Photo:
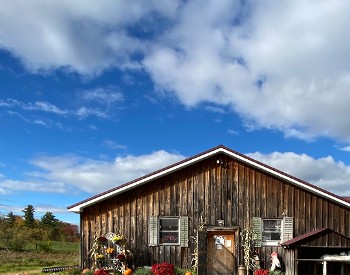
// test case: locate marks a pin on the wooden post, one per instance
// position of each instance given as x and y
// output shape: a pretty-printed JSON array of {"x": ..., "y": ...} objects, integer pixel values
[{"x": 324, "y": 268}]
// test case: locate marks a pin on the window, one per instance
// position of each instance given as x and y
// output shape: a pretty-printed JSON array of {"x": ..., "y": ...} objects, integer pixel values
[
  {"x": 168, "y": 231},
  {"x": 271, "y": 232}
]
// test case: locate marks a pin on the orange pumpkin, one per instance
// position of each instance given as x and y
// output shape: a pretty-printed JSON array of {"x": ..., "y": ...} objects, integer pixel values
[
  {"x": 188, "y": 273},
  {"x": 128, "y": 271}
]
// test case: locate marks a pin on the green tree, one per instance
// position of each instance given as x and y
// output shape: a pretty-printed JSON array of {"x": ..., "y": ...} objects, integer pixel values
[
  {"x": 50, "y": 224},
  {"x": 11, "y": 219},
  {"x": 49, "y": 220},
  {"x": 29, "y": 220}
]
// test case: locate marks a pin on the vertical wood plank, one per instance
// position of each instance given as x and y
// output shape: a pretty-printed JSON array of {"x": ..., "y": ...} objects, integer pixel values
[
  {"x": 241, "y": 196},
  {"x": 207, "y": 195}
]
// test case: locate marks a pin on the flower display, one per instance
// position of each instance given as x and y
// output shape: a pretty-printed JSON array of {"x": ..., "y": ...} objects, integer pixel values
[{"x": 110, "y": 250}]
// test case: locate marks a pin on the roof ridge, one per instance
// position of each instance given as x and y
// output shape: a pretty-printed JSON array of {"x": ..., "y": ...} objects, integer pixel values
[{"x": 205, "y": 154}]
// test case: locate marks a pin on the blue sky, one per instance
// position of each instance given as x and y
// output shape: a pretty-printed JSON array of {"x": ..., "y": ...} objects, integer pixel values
[{"x": 92, "y": 96}]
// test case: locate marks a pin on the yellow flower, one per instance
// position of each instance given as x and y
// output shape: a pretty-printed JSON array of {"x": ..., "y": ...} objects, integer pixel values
[
  {"x": 100, "y": 256},
  {"x": 117, "y": 238},
  {"x": 110, "y": 250}
]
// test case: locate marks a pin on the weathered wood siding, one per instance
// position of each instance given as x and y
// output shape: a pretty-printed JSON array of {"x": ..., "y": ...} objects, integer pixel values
[{"x": 207, "y": 192}]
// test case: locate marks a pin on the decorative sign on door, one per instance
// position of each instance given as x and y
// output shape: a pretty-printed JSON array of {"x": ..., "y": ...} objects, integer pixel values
[{"x": 219, "y": 241}]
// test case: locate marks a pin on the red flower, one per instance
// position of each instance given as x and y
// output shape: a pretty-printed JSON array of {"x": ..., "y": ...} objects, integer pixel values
[
  {"x": 261, "y": 272},
  {"x": 101, "y": 272},
  {"x": 102, "y": 239},
  {"x": 163, "y": 269}
]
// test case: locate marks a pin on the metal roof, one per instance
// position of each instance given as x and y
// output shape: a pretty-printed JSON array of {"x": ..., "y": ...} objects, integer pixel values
[
  {"x": 309, "y": 236},
  {"x": 221, "y": 149}
]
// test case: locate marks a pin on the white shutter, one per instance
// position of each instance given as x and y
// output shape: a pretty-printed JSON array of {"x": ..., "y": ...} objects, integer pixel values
[
  {"x": 257, "y": 234},
  {"x": 153, "y": 230},
  {"x": 287, "y": 228},
  {"x": 184, "y": 231}
]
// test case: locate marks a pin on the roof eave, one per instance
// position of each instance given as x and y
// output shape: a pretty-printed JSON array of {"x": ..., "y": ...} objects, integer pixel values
[{"x": 78, "y": 208}]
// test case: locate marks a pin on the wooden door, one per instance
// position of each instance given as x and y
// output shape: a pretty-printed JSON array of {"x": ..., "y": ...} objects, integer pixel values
[{"x": 221, "y": 253}]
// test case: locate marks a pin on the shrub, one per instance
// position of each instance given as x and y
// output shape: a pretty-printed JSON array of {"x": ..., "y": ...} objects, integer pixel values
[
  {"x": 17, "y": 244},
  {"x": 163, "y": 269},
  {"x": 45, "y": 246},
  {"x": 143, "y": 271},
  {"x": 73, "y": 271}
]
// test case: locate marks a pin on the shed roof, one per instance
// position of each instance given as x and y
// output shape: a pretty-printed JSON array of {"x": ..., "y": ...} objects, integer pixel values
[
  {"x": 221, "y": 149},
  {"x": 310, "y": 236}
]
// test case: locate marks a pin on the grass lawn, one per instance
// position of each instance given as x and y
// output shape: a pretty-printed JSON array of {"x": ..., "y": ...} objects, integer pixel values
[{"x": 61, "y": 254}]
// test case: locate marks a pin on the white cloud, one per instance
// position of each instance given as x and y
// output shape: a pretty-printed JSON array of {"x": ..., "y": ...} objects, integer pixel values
[
  {"x": 324, "y": 172},
  {"x": 94, "y": 176},
  {"x": 103, "y": 95},
  {"x": 8, "y": 186},
  {"x": 66, "y": 174},
  {"x": 113, "y": 145},
  {"x": 215, "y": 109},
  {"x": 281, "y": 65},
  {"x": 86, "y": 38},
  {"x": 84, "y": 112},
  {"x": 81, "y": 112},
  {"x": 293, "y": 49},
  {"x": 45, "y": 107},
  {"x": 346, "y": 149},
  {"x": 233, "y": 132}
]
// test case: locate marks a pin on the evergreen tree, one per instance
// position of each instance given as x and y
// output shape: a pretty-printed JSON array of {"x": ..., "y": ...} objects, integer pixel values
[
  {"x": 49, "y": 220},
  {"x": 16, "y": 230},
  {"x": 29, "y": 220},
  {"x": 50, "y": 224},
  {"x": 11, "y": 218}
]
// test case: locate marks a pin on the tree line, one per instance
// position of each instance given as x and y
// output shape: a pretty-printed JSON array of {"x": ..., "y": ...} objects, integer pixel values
[{"x": 16, "y": 230}]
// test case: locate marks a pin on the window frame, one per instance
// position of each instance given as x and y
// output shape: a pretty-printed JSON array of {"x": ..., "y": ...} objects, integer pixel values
[
  {"x": 160, "y": 230},
  {"x": 154, "y": 231},
  {"x": 287, "y": 227},
  {"x": 271, "y": 242}
]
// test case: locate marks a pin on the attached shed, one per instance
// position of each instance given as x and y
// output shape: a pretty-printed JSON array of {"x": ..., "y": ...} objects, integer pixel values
[
  {"x": 213, "y": 198},
  {"x": 321, "y": 251}
]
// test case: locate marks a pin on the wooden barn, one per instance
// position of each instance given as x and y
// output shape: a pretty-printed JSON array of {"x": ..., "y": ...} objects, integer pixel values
[{"x": 201, "y": 211}]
